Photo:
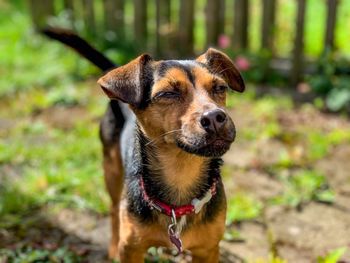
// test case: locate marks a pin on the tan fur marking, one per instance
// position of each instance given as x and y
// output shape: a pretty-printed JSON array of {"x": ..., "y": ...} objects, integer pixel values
[
  {"x": 181, "y": 170},
  {"x": 113, "y": 175},
  {"x": 207, "y": 82},
  {"x": 172, "y": 77}
]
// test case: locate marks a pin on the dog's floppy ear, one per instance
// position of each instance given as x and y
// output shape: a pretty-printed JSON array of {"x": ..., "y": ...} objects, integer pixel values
[
  {"x": 219, "y": 63},
  {"x": 129, "y": 83}
]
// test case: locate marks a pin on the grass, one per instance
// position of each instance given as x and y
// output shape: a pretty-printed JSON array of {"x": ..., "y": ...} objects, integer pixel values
[
  {"x": 242, "y": 206},
  {"x": 333, "y": 256},
  {"x": 38, "y": 255},
  {"x": 302, "y": 187},
  {"x": 57, "y": 166}
]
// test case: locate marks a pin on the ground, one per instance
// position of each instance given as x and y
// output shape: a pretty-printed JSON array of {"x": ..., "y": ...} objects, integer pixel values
[{"x": 286, "y": 177}]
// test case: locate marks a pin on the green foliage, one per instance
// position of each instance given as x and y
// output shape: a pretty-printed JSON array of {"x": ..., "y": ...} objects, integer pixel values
[
  {"x": 318, "y": 146},
  {"x": 331, "y": 84},
  {"x": 265, "y": 111},
  {"x": 28, "y": 60},
  {"x": 333, "y": 256},
  {"x": 319, "y": 143},
  {"x": 338, "y": 136},
  {"x": 339, "y": 97},
  {"x": 234, "y": 99},
  {"x": 232, "y": 235},
  {"x": 304, "y": 186},
  {"x": 260, "y": 71},
  {"x": 242, "y": 206},
  {"x": 13, "y": 204},
  {"x": 31, "y": 255}
]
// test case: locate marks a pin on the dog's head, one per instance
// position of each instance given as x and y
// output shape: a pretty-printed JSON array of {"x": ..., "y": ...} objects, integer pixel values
[{"x": 180, "y": 102}]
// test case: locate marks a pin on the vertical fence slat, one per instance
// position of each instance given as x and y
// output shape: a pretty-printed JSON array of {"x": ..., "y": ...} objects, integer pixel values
[
  {"x": 222, "y": 16},
  {"x": 40, "y": 11},
  {"x": 68, "y": 4},
  {"x": 240, "y": 24},
  {"x": 268, "y": 23},
  {"x": 214, "y": 21},
  {"x": 89, "y": 16},
  {"x": 69, "y": 7},
  {"x": 186, "y": 25},
  {"x": 114, "y": 17},
  {"x": 331, "y": 20},
  {"x": 298, "y": 52},
  {"x": 140, "y": 22},
  {"x": 163, "y": 26}
]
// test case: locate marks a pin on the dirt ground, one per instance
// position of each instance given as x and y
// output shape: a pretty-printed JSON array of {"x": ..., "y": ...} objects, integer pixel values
[{"x": 296, "y": 234}]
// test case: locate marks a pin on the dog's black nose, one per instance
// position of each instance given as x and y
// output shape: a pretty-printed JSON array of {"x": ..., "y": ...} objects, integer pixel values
[{"x": 213, "y": 121}]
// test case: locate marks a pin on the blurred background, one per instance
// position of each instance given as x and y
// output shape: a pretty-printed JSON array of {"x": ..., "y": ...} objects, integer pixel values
[{"x": 287, "y": 176}]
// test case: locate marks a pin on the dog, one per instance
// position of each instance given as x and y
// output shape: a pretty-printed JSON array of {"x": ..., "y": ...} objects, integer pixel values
[{"x": 163, "y": 135}]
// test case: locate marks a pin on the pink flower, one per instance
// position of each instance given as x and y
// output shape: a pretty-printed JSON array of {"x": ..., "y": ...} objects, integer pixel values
[
  {"x": 242, "y": 63},
  {"x": 224, "y": 41},
  {"x": 303, "y": 87}
]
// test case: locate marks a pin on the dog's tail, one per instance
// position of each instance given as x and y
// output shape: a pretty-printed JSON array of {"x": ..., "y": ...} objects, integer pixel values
[
  {"x": 72, "y": 40},
  {"x": 114, "y": 119}
]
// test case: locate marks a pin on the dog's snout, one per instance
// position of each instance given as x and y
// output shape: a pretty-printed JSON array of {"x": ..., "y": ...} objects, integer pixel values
[{"x": 213, "y": 121}]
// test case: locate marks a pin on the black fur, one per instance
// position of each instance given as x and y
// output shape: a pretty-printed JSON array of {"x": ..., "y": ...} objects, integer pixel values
[
  {"x": 111, "y": 124},
  {"x": 147, "y": 80}
]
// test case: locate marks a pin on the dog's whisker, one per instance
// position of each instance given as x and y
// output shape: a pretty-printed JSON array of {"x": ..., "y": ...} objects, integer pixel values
[{"x": 162, "y": 135}]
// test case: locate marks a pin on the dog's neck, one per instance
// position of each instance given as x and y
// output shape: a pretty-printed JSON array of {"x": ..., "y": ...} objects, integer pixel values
[
  {"x": 182, "y": 173},
  {"x": 173, "y": 175}
]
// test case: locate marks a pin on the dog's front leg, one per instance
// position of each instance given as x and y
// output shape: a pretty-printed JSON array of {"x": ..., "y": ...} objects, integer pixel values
[
  {"x": 132, "y": 243},
  {"x": 131, "y": 253},
  {"x": 113, "y": 174}
]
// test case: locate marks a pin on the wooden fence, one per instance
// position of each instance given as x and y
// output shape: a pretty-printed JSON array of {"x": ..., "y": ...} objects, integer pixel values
[{"x": 167, "y": 27}]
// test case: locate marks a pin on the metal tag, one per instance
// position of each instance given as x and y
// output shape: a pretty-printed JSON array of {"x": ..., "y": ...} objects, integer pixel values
[{"x": 175, "y": 238}]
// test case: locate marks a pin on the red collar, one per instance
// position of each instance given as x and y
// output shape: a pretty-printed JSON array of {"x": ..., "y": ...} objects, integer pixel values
[{"x": 167, "y": 209}]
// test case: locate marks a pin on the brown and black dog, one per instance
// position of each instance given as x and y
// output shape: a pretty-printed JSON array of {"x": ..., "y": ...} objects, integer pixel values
[{"x": 163, "y": 134}]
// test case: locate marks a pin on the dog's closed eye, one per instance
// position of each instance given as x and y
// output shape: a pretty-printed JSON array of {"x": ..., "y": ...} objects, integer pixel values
[
  {"x": 167, "y": 95},
  {"x": 220, "y": 89}
]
